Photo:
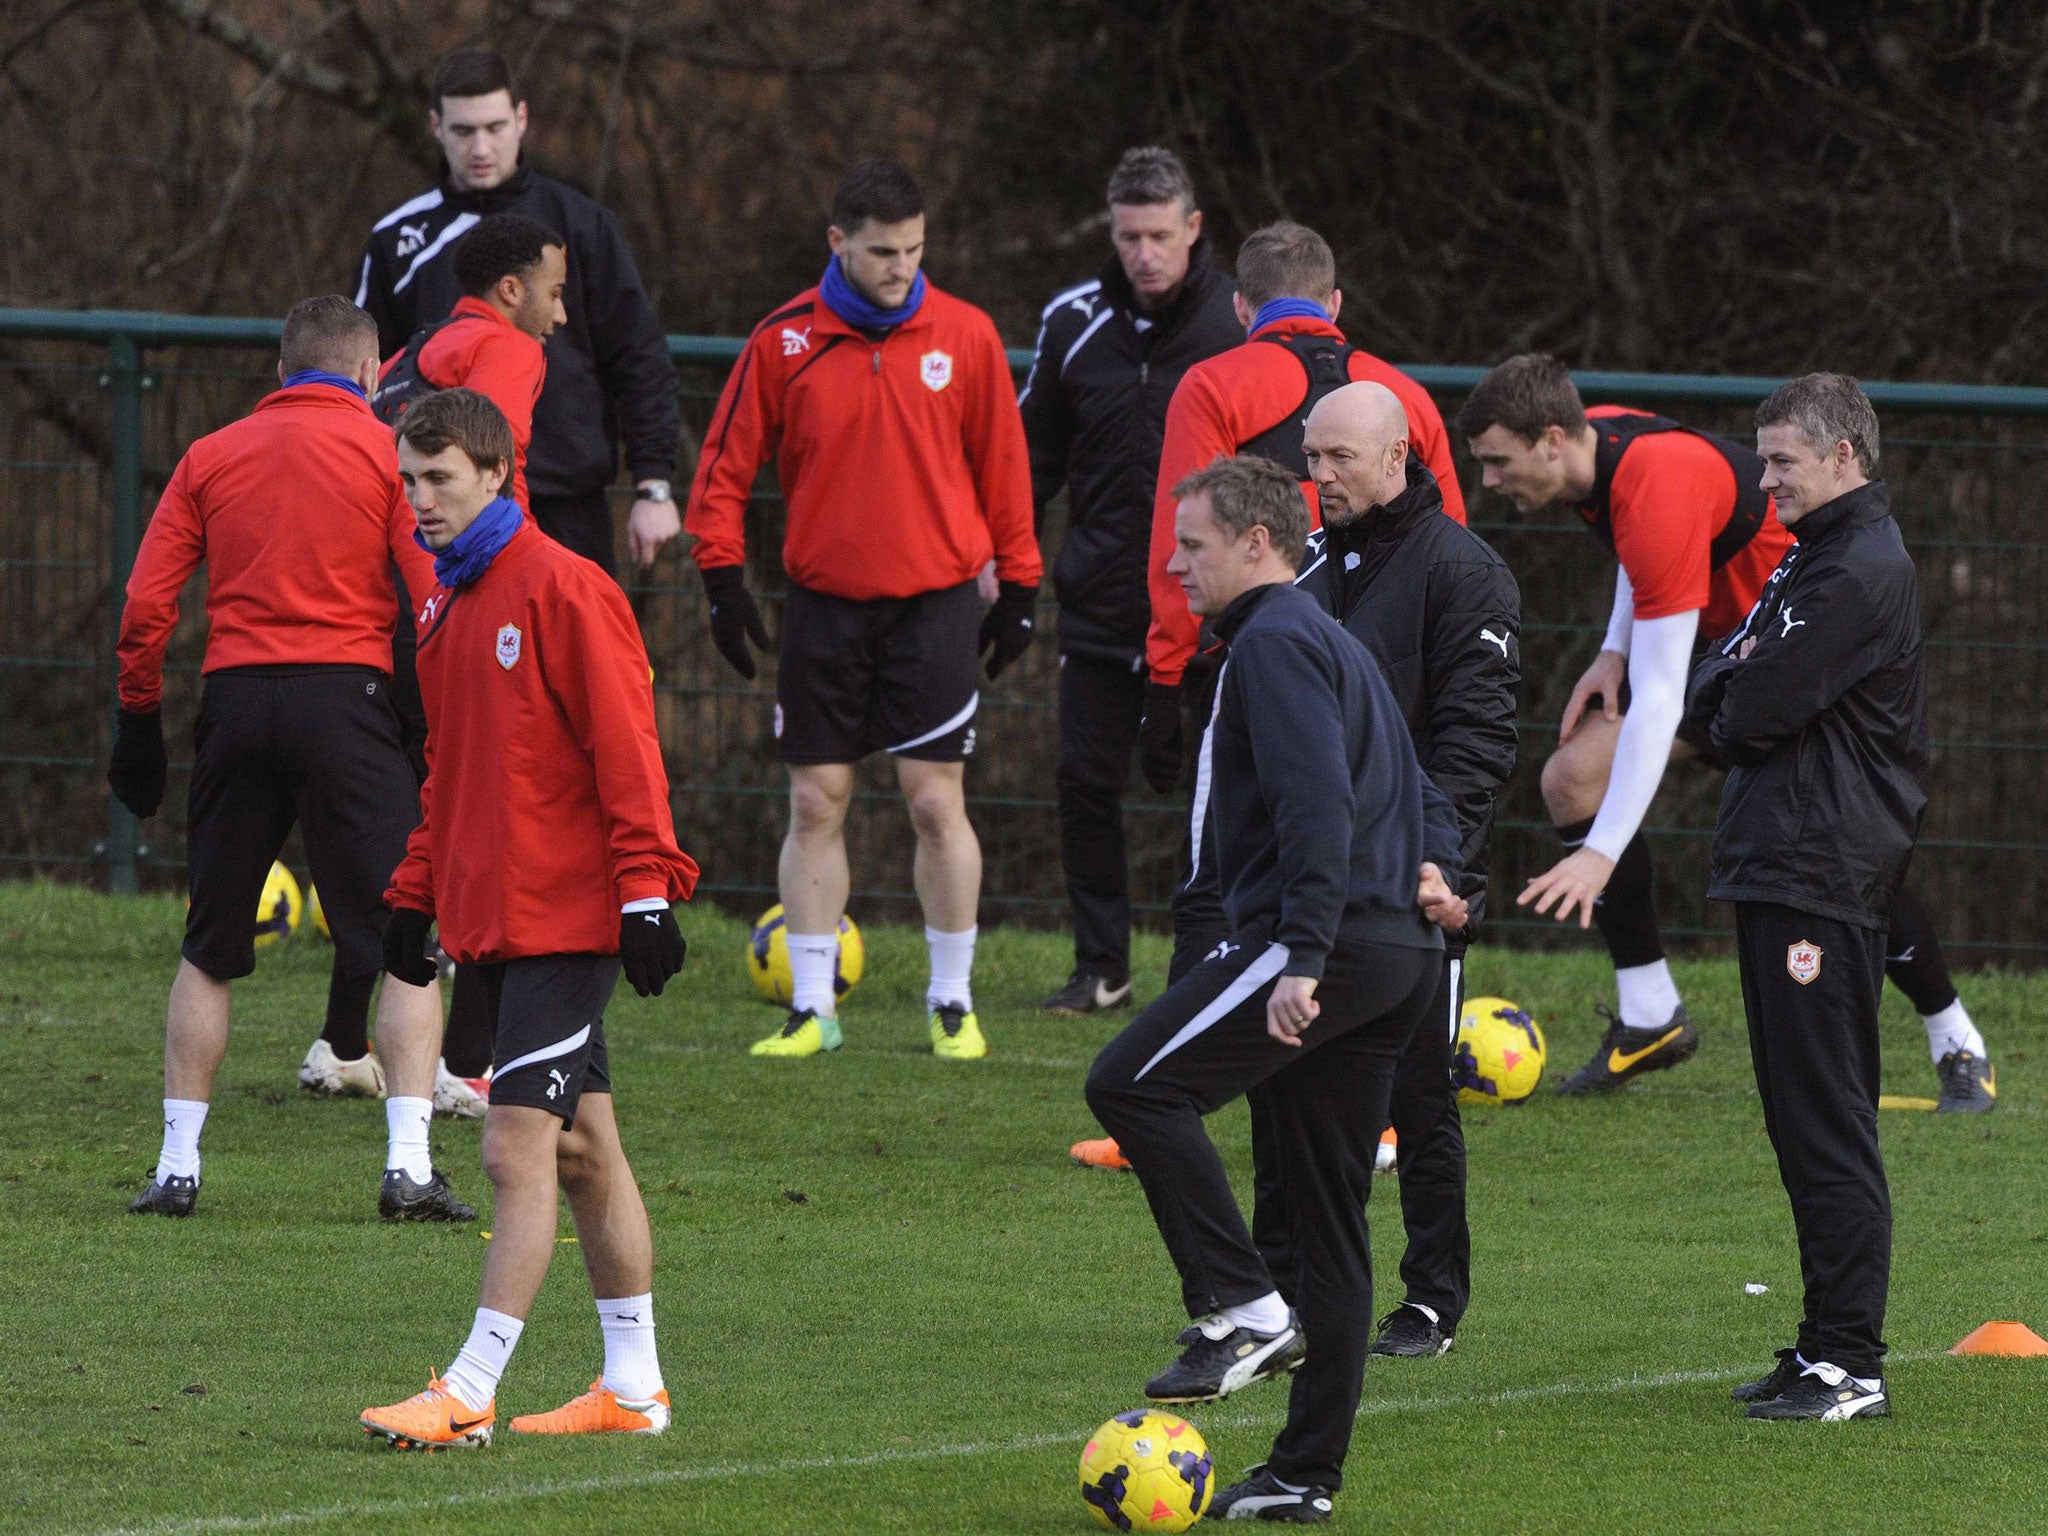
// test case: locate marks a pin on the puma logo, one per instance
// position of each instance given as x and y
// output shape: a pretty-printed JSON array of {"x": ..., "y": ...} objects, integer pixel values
[
  {"x": 499, "y": 1337},
  {"x": 1224, "y": 950},
  {"x": 561, "y": 1081},
  {"x": 1790, "y": 623},
  {"x": 1500, "y": 640}
]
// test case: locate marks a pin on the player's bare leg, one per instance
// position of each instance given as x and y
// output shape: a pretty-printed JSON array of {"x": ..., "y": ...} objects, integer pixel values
[
  {"x": 948, "y": 878},
  {"x": 195, "y": 1043},
  {"x": 618, "y": 1254},
  {"x": 409, "y": 1041},
  {"x": 814, "y": 880}
]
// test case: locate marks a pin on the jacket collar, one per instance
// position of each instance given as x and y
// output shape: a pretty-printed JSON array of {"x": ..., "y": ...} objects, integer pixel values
[
  {"x": 497, "y": 199},
  {"x": 1852, "y": 509},
  {"x": 1298, "y": 325},
  {"x": 825, "y": 319},
  {"x": 1227, "y": 623},
  {"x": 321, "y": 395},
  {"x": 471, "y": 307},
  {"x": 1202, "y": 276},
  {"x": 1394, "y": 520}
]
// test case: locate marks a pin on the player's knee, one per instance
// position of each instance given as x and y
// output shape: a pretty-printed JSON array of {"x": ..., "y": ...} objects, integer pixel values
[
  {"x": 1568, "y": 784},
  {"x": 578, "y": 1166},
  {"x": 817, "y": 807},
  {"x": 936, "y": 810},
  {"x": 512, "y": 1161}
]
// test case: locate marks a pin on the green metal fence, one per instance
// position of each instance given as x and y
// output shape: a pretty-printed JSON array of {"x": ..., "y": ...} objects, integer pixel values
[{"x": 95, "y": 408}]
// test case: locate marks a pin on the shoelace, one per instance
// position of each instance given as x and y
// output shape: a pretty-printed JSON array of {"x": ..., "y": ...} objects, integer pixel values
[
  {"x": 796, "y": 1022},
  {"x": 950, "y": 1020}
]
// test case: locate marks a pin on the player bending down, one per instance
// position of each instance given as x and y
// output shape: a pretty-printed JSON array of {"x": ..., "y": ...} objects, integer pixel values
[
  {"x": 546, "y": 854},
  {"x": 1322, "y": 820},
  {"x": 1696, "y": 537}
]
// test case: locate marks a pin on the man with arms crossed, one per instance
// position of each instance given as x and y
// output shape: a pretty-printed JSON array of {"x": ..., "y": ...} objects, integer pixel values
[
  {"x": 1695, "y": 537},
  {"x": 1818, "y": 704},
  {"x": 887, "y": 407},
  {"x": 546, "y": 855},
  {"x": 1110, "y": 353},
  {"x": 297, "y": 513},
  {"x": 1323, "y": 819},
  {"x": 609, "y": 374}
]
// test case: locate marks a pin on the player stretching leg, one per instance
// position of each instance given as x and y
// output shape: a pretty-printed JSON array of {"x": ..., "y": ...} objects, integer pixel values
[
  {"x": 1696, "y": 538},
  {"x": 886, "y": 405},
  {"x": 547, "y": 857},
  {"x": 298, "y": 516}
]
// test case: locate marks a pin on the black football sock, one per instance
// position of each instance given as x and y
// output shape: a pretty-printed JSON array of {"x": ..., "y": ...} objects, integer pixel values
[
  {"x": 467, "y": 1045},
  {"x": 1912, "y": 956},
  {"x": 1626, "y": 912},
  {"x": 348, "y": 1014}
]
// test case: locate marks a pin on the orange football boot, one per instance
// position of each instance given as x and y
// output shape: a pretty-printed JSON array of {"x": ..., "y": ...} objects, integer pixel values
[
  {"x": 1100, "y": 1153},
  {"x": 600, "y": 1411},
  {"x": 431, "y": 1420}
]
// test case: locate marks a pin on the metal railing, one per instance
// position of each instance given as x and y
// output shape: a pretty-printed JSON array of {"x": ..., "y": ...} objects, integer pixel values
[{"x": 99, "y": 404}]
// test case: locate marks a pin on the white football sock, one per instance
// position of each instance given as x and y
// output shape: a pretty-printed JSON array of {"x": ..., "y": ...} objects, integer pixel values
[
  {"x": 1648, "y": 995},
  {"x": 474, "y": 1376},
  {"x": 407, "y": 1120},
  {"x": 631, "y": 1368},
  {"x": 1952, "y": 1030},
  {"x": 1266, "y": 1315},
  {"x": 952, "y": 967},
  {"x": 183, "y": 1119},
  {"x": 813, "y": 961}
]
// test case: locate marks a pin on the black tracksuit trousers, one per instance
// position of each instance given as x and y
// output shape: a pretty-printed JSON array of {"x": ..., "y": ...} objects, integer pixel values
[
  {"x": 1202, "y": 1044},
  {"x": 1814, "y": 1047},
  {"x": 1101, "y": 703},
  {"x": 1436, "y": 1264}
]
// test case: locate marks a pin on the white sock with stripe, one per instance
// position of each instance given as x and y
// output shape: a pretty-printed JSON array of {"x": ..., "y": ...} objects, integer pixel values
[
  {"x": 813, "y": 962},
  {"x": 473, "y": 1378},
  {"x": 952, "y": 967},
  {"x": 632, "y": 1369},
  {"x": 1648, "y": 995}
]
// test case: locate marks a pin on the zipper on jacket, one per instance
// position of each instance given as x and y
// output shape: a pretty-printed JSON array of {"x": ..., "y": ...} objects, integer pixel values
[
  {"x": 1144, "y": 373},
  {"x": 878, "y": 360}
]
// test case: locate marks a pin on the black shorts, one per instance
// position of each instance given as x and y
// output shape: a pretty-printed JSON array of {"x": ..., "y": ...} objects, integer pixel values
[
  {"x": 318, "y": 746},
  {"x": 547, "y": 1012},
  {"x": 892, "y": 674}
]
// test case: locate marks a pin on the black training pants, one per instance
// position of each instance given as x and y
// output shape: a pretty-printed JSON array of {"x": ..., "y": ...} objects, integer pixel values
[
  {"x": 1810, "y": 986},
  {"x": 1436, "y": 1264},
  {"x": 582, "y": 523},
  {"x": 1101, "y": 702},
  {"x": 1202, "y": 1044}
]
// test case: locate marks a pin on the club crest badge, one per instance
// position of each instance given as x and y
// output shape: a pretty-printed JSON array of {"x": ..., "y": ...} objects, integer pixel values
[
  {"x": 508, "y": 646},
  {"x": 1802, "y": 962},
  {"x": 936, "y": 369}
]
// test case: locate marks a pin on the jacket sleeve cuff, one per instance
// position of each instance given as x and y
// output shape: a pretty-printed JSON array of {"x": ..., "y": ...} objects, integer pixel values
[
  {"x": 1303, "y": 961},
  {"x": 638, "y": 888},
  {"x": 654, "y": 469}
]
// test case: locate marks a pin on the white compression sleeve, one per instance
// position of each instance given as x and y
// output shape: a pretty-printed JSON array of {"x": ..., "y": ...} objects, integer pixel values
[
  {"x": 1621, "y": 622},
  {"x": 1660, "y": 652}
]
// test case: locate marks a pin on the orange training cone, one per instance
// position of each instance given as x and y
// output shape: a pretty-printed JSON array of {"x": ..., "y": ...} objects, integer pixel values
[{"x": 2001, "y": 1339}]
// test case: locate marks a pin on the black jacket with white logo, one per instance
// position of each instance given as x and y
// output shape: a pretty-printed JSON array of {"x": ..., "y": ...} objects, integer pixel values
[
  {"x": 609, "y": 374},
  {"x": 1824, "y": 726},
  {"x": 1441, "y": 613},
  {"x": 1322, "y": 817},
  {"x": 1095, "y": 414}
]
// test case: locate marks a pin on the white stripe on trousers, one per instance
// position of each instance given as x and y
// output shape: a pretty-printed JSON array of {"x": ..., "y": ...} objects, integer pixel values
[{"x": 1271, "y": 961}]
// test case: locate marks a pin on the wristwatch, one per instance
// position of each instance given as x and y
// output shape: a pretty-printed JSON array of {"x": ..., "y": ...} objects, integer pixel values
[{"x": 654, "y": 490}]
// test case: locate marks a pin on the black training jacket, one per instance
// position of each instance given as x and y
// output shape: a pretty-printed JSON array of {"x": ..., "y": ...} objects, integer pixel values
[
  {"x": 1441, "y": 613},
  {"x": 609, "y": 375},
  {"x": 1095, "y": 414},
  {"x": 1824, "y": 726},
  {"x": 1321, "y": 815}
]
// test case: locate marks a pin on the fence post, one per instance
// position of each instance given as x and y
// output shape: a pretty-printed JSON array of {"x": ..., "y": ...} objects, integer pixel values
[{"x": 125, "y": 382}]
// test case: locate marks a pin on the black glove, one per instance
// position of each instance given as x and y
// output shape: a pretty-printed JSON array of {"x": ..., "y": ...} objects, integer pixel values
[
  {"x": 1159, "y": 737},
  {"x": 405, "y": 947},
  {"x": 137, "y": 769},
  {"x": 1006, "y": 629},
  {"x": 651, "y": 949},
  {"x": 734, "y": 618}
]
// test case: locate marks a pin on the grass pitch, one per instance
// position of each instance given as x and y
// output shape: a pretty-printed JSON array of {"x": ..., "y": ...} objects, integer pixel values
[{"x": 888, "y": 1303}]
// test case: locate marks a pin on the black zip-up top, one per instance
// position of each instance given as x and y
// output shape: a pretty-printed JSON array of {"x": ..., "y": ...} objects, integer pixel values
[
  {"x": 609, "y": 374},
  {"x": 1441, "y": 614},
  {"x": 1321, "y": 815},
  {"x": 1095, "y": 415},
  {"x": 1824, "y": 725}
]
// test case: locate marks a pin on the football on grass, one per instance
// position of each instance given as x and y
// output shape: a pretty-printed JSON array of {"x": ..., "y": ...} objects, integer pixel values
[
  {"x": 1498, "y": 1058},
  {"x": 1146, "y": 1471}
]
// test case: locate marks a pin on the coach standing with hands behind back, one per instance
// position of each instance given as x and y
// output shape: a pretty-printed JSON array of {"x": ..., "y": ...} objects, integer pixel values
[
  {"x": 1818, "y": 705},
  {"x": 608, "y": 376}
]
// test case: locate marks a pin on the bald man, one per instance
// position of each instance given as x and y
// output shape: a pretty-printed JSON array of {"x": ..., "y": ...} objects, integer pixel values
[{"x": 1440, "y": 612}]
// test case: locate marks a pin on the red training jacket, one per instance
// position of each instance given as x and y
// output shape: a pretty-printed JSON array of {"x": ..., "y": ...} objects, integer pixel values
[
  {"x": 902, "y": 461},
  {"x": 1223, "y": 403},
  {"x": 546, "y": 804},
  {"x": 496, "y": 359},
  {"x": 297, "y": 512}
]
